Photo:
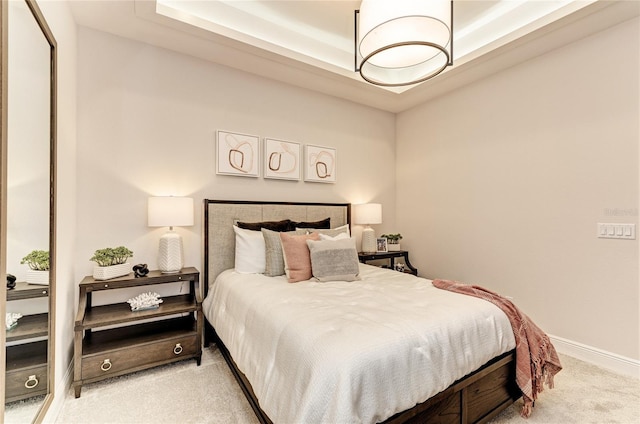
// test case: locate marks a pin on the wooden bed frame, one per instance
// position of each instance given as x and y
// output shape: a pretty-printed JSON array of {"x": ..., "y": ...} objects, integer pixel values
[{"x": 476, "y": 398}]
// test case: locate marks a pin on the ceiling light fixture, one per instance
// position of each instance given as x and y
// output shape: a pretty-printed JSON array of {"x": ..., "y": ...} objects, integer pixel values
[{"x": 403, "y": 42}]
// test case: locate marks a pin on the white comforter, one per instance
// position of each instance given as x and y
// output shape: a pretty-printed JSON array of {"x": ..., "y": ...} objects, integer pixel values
[{"x": 351, "y": 352}]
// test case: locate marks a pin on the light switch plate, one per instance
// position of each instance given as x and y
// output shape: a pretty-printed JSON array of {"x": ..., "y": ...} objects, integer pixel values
[{"x": 617, "y": 231}]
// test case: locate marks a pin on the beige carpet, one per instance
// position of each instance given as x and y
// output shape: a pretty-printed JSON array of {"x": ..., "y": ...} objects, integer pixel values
[
  {"x": 583, "y": 393},
  {"x": 184, "y": 393}
]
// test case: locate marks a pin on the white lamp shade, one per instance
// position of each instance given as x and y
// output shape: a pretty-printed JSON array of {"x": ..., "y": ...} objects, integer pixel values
[
  {"x": 367, "y": 214},
  {"x": 170, "y": 211}
]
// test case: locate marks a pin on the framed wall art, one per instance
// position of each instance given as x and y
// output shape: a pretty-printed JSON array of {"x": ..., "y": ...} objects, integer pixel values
[
  {"x": 281, "y": 159},
  {"x": 320, "y": 164},
  {"x": 237, "y": 154}
]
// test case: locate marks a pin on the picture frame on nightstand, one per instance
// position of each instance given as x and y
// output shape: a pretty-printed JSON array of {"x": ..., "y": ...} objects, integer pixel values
[{"x": 381, "y": 245}]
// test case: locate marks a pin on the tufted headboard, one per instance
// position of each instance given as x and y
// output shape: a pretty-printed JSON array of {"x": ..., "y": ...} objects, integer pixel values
[{"x": 220, "y": 215}]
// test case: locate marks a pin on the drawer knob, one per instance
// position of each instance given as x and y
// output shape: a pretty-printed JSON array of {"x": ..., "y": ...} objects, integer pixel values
[
  {"x": 31, "y": 382},
  {"x": 106, "y": 365},
  {"x": 177, "y": 349}
]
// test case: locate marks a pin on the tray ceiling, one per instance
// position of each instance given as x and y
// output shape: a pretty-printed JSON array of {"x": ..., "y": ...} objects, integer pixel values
[{"x": 309, "y": 43}]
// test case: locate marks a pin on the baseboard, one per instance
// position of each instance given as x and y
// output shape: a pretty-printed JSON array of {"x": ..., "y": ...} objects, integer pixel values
[
  {"x": 62, "y": 390},
  {"x": 611, "y": 361}
]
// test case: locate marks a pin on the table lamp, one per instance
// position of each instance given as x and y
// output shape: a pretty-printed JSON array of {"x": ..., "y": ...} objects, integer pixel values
[
  {"x": 170, "y": 212},
  {"x": 368, "y": 214}
]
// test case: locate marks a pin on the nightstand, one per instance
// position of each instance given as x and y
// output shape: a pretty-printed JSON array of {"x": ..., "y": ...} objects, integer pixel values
[
  {"x": 26, "y": 360},
  {"x": 133, "y": 341},
  {"x": 390, "y": 256}
]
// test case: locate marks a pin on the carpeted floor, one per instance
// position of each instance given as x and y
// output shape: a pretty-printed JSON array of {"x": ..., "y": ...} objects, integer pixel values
[
  {"x": 583, "y": 393},
  {"x": 184, "y": 393}
]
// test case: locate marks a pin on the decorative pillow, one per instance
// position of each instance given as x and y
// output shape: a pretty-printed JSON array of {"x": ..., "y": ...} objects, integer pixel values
[
  {"x": 283, "y": 225},
  {"x": 329, "y": 232},
  {"x": 334, "y": 260},
  {"x": 250, "y": 251},
  {"x": 274, "y": 261},
  {"x": 339, "y": 236},
  {"x": 323, "y": 223},
  {"x": 297, "y": 263}
]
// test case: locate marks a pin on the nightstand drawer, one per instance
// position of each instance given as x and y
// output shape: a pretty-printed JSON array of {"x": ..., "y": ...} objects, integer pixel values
[
  {"x": 26, "y": 382},
  {"x": 124, "y": 360}
]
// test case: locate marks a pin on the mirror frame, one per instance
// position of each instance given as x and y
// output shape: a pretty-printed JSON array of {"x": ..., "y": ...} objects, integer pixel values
[{"x": 48, "y": 34}]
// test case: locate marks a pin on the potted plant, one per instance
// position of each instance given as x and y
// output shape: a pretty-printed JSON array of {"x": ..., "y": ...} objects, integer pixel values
[
  {"x": 111, "y": 262},
  {"x": 38, "y": 261},
  {"x": 393, "y": 241}
]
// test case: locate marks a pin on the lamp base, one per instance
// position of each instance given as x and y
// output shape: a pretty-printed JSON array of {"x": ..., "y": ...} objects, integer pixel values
[
  {"x": 170, "y": 253},
  {"x": 369, "y": 240}
]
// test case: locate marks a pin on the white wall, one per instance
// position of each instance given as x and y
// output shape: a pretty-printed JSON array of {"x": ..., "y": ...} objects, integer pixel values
[
  {"x": 501, "y": 183},
  {"x": 147, "y": 119}
]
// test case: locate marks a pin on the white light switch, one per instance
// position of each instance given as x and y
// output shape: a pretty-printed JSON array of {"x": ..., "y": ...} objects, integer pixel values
[{"x": 617, "y": 231}]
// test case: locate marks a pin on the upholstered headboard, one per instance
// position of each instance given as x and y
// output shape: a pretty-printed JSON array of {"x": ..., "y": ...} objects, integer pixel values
[{"x": 220, "y": 215}]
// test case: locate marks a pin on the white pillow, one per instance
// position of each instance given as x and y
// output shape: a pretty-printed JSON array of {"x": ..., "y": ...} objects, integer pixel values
[
  {"x": 338, "y": 237},
  {"x": 344, "y": 228},
  {"x": 250, "y": 251},
  {"x": 326, "y": 231}
]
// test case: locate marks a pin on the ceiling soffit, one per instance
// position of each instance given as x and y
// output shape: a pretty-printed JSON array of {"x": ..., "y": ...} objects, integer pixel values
[{"x": 309, "y": 43}]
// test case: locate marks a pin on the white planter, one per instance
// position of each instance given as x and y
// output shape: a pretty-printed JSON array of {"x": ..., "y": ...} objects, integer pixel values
[
  {"x": 393, "y": 247},
  {"x": 38, "y": 277},
  {"x": 113, "y": 271}
]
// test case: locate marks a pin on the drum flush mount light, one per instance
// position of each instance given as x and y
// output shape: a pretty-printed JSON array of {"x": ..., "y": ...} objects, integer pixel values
[{"x": 403, "y": 42}]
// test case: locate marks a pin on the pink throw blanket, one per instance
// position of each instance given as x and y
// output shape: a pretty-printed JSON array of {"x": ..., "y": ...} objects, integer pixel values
[{"x": 536, "y": 358}]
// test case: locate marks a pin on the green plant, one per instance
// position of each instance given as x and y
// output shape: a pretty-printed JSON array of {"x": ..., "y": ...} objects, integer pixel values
[
  {"x": 38, "y": 260},
  {"x": 111, "y": 256},
  {"x": 392, "y": 238}
]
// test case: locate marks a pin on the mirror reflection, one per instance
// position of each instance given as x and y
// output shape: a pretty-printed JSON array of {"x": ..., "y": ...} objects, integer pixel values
[{"x": 28, "y": 213}]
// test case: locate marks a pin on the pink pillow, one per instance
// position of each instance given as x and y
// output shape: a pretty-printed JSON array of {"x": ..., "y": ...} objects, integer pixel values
[{"x": 297, "y": 260}]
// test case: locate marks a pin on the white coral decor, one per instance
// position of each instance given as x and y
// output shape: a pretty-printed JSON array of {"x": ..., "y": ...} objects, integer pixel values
[
  {"x": 145, "y": 301},
  {"x": 12, "y": 319}
]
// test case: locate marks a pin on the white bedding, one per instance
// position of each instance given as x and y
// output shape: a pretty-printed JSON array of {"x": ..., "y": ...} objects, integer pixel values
[{"x": 351, "y": 352}]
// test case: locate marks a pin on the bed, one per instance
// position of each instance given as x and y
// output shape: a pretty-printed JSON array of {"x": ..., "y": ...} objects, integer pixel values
[{"x": 386, "y": 347}]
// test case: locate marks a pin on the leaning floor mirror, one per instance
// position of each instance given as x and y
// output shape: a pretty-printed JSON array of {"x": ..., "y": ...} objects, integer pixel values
[{"x": 27, "y": 224}]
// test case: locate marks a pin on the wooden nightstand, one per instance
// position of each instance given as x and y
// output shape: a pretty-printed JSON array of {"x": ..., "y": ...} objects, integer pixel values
[
  {"x": 174, "y": 334},
  {"x": 391, "y": 256},
  {"x": 26, "y": 366}
]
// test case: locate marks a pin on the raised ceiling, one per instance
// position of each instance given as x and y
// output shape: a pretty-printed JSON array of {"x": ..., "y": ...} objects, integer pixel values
[{"x": 309, "y": 43}]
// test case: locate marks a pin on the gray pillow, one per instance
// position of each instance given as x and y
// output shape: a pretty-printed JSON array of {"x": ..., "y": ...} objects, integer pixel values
[
  {"x": 334, "y": 260},
  {"x": 274, "y": 260}
]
